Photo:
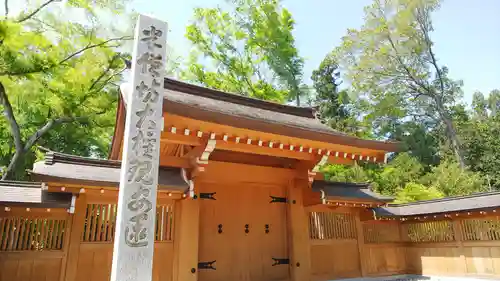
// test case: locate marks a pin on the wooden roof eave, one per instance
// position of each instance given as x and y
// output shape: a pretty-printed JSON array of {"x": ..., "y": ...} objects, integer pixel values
[
  {"x": 116, "y": 142},
  {"x": 315, "y": 198},
  {"x": 255, "y": 124},
  {"x": 276, "y": 128}
]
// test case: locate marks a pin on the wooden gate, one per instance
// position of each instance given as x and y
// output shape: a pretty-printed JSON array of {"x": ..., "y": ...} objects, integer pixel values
[{"x": 242, "y": 231}]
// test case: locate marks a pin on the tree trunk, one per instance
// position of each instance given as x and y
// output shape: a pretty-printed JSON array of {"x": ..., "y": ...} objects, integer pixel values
[
  {"x": 452, "y": 134},
  {"x": 12, "y": 165}
]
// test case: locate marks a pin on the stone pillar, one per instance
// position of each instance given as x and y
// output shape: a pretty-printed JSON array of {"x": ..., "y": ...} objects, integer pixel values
[
  {"x": 135, "y": 222},
  {"x": 298, "y": 232}
]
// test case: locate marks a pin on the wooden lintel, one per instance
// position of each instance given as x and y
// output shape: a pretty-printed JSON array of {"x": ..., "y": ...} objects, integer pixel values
[
  {"x": 263, "y": 150},
  {"x": 181, "y": 139},
  {"x": 253, "y": 147},
  {"x": 96, "y": 191},
  {"x": 173, "y": 161},
  {"x": 7, "y": 210},
  {"x": 195, "y": 152}
]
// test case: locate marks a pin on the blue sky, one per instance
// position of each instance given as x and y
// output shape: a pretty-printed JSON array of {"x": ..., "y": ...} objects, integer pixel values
[{"x": 467, "y": 33}]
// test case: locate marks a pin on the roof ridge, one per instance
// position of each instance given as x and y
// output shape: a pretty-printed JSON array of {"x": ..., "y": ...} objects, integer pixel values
[
  {"x": 363, "y": 185},
  {"x": 30, "y": 184},
  {"x": 52, "y": 157},
  {"x": 451, "y": 198},
  {"x": 193, "y": 89}
]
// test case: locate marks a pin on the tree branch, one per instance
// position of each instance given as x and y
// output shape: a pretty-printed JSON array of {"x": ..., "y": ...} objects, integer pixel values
[
  {"x": 398, "y": 57},
  {"x": 428, "y": 42},
  {"x": 6, "y": 7},
  {"x": 108, "y": 68},
  {"x": 69, "y": 57},
  {"x": 11, "y": 119},
  {"x": 84, "y": 99},
  {"x": 14, "y": 128},
  {"x": 27, "y": 17},
  {"x": 405, "y": 67},
  {"x": 49, "y": 125}
]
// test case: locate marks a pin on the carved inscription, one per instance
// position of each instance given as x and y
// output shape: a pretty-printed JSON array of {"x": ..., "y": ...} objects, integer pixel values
[{"x": 144, "y": 143}]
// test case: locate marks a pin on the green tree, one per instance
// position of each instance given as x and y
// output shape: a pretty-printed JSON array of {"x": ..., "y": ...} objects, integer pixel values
[
  {"x": 400, "y": 171},
  {"x": 341, "y": 173},
  {"x": 392, "y": 66},
  {"x": 494, "y": 102},
  {"x": 451, "y": 180},
  {"x": 248, "y": 50},
  {"x": 332, "y": 103},
  {"x": 416, "y": 192},
  {"x": 419, "y": 140},
  {"x": 479, "y": 105},
  {"x": 482, "y": 147},
  {"x": 58, "y": 80}
]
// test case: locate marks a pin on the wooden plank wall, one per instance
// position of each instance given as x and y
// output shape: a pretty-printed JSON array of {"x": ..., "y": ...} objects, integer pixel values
[{"x": 384, "y": 254}]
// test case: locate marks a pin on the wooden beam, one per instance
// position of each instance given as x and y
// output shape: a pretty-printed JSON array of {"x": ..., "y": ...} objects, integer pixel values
[
  {"x": 77, "y": 224},
  {"x": 205, "y": 127},
  {"x": 298, "y": 234},
  {"x": 311, "y": 198},
  {"x": 195, "y": 152},
  {"x": 361, "y": 246},
  {"x": 253, "y": 147},
  {"x": 264, "y": 150},
  {"x": 170, "y": 137},
  {"x": 173, "y": 161},
  {"x": 187, "y": 217}
]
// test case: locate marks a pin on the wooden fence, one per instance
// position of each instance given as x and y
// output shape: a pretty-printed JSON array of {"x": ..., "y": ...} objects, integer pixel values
[
  {"x": 342, "y": 246},
  {"x": 55, "y": 245},
  {"x": 456, "y": 247},
  {"x": 33, "y": 245},
  {"x": 334, "y": 245}
]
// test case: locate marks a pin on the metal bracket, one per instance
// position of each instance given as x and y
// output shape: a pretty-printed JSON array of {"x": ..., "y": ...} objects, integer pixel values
[
  {"x": 275, "y": 199},
  {"x": 209, "y": 196},
  {"x": 280, "y": 261},
  {"x": 207, "y": 265}
]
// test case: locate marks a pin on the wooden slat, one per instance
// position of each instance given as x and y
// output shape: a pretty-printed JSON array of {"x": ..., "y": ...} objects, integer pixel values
[
  {"x": 6, "y": 237},
  {"x": 111, "y": 222},
  {"x": 99, "y": 219}
]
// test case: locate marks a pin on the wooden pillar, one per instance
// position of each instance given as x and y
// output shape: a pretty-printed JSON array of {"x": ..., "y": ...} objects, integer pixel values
[
  {"x": 75, "y": 234},
  {"x": 361, "y": 244},
  {"x": 298, "y": 232},
  {"x": 187, "y": 223},
  {"x": 457, "y": 230}
]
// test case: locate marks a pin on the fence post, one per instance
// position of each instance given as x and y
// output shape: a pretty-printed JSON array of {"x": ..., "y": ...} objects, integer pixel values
[
  {"x": 361, "y": 244},
  {"x": 457, "y": 231},
  {"x": 77, "y": 224},
  {"x": 298, "y": 234}
]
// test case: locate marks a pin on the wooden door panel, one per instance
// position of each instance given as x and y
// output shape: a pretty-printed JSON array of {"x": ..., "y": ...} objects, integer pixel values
[
  {"x": 211, "y": 243},
  {"x": 274, "y": 243},
  {"x": 242, "y": 256}
]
